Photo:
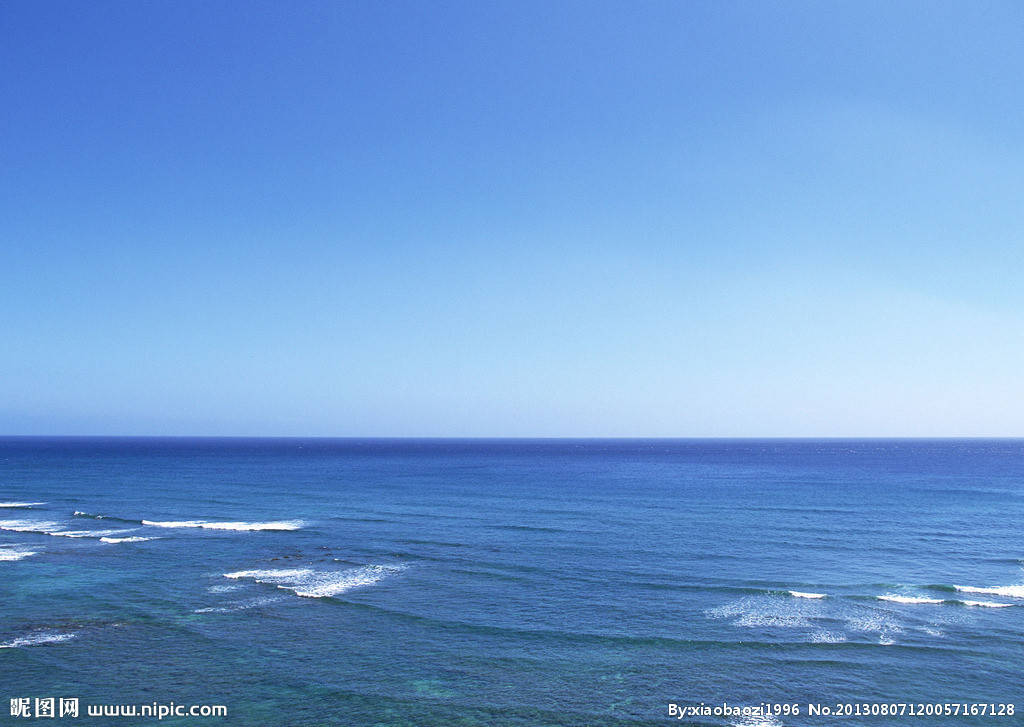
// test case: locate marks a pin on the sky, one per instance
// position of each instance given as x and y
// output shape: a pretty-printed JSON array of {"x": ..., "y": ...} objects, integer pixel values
[{"x": 512, "y": 218}]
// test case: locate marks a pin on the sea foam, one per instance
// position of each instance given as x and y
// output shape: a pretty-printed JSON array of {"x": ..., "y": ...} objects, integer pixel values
[
  {"x": 206, "y": 524},
  {"x": 133, "y": 539},
  {"x": 42, "y": 637},
  {"x": 30, "y": 526},
  {"x": 311, "y": 583},
  {"x": 20, "y": 504},
  {"x": 801, "y": 594},
  {"x": 57, "y": 530},
  {"x": 896, "y": 598},
  {"x": 1008, "y": 591},
  {"x": 761, "y": 720},
  {"x": 11, "y": 554},
  {"x": 766, "y": 611}
]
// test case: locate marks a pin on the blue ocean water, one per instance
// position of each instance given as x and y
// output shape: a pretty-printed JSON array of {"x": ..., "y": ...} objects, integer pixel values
[{"x": 511, "y": 582}]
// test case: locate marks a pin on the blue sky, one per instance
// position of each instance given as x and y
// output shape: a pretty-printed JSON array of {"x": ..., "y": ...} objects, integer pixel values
[{"x": 512, "y": 219}]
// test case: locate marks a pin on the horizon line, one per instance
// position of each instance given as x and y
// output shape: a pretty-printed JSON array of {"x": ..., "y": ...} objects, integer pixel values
[{"x": 418, "y": 437}]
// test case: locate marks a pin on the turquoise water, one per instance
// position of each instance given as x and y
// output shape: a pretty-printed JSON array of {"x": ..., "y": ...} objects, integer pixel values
[{"x": 417, "y": 582}]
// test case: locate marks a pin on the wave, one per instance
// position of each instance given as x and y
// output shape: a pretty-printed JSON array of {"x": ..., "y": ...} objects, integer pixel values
[
  {"x": 29, "y": 526},
  {"x": 1008, "y": 591},
  {"x": 264, "y": 576},
  {"x": 311, "y": 583},
  {"x": 208, "y": 525},
  {"x": 91, "y": 516},
  {"x": 20, "y": 504},
  {"x": 255, "y": 603},
  {"x": 57, "y": 530},
  {"x": 134, "y": 539},
  {"x": 801, "y": 594},
  {"x": 908, "y": 599},
  {"x": 42, "y": 637},
  {"x": 13, "y": 554},
  {"x": 946, "y": 601}
]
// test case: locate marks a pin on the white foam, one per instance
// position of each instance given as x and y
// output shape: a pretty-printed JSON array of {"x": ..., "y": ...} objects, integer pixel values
[
  {"x": 20, "y": 504},
  {"x": 1008, "y": 591},
  {"x": 895, "y": 598},
  {"x": 276, "y": 525},
  {"x": 12, "y": 554},
  {"x": 319, "y": 584},
  {"x": 764, "y": 611},
  {"x": 55, "y": 529},
  {"x": 223, "y": 589},
  {"x": 30, "y": 526},
  {"x": 875, "y": 622},
  {"x": 133, "y": 539},
  {"x": 987, "y": 604},
  {"x": 801, "y": 594},
  {"x": 272, "y": 575},
  {"x": 255, "y": 603},
  {"x": 43, "y": 637},
  {"x": 827, "y": 637},
  {"x": 886, "y": 640},
  {"x": 325, "y": 584},
  {"x": 765, "y": 720}
]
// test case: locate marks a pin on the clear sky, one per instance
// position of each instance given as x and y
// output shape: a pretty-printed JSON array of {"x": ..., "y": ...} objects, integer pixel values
[{"x": 512, "y": 218}]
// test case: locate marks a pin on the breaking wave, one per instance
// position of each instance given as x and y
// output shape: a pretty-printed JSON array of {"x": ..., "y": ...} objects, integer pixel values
[
  {"x": 1008, "y": 591},
  {"x": 312, "y": 583},
  {"x": 11, "y": 554},
  {"x": 42, "y": 637},
  {"x": 56, "y": 529},
  {"x": 895, "y": 598},
  {"x": 210, "y": 525}
]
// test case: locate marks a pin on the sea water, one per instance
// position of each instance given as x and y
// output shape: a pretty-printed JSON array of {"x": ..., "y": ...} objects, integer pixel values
[{"x": 511, "y": 582}]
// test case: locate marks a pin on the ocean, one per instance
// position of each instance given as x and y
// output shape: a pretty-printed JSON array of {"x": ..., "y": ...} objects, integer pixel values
[{"x": 459, "y": 583}]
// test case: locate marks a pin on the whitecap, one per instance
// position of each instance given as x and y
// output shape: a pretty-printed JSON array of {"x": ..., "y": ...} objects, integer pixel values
[
  {"x": 896, "y": 598},
  {"x": 42, "y": 637},
  {"x": 20, "y": 504},
  {"x": 30, "y": 526},
  {"x": 311, "y": 583},
  {"x": 55, "y": 529},
  {"x": 275, "y": 525},
  {"x": 325, "y": 584},
  {"x": 14, "y": 554},
  {"x": 987, "y": 604},
  {"x": 133, "y": 539},
  {"x": 801, "y": 594},
  {"x": 1008, "y": 591},
  {"x": 270, "y": 575}
]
